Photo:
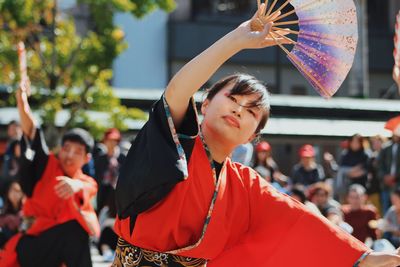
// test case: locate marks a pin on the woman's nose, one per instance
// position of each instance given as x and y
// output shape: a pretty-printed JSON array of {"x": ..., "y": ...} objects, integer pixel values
[{"x": 238, "y": 110}]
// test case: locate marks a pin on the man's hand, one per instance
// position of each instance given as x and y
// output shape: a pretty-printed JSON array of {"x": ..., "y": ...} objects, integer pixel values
[
  {"x": 67, "y": 187},
  {"x": 379, "y": 259}
]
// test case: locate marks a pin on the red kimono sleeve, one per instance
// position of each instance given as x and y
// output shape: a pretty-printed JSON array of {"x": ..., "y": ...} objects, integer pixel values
[
  {"x": 88, "y": 192},
  {"x": 87, "y": 216},
  {"x": 282, "y": 232}
]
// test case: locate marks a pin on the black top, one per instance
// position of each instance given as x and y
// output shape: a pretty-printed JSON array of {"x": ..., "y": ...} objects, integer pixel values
[
  {"x": 307, "y": 177},
  {"x": 33, "y": 161},
  {"x": 218, "y": 168},
  {"x": 152, "y": 167},
  {"x": 101, "y": 162}
]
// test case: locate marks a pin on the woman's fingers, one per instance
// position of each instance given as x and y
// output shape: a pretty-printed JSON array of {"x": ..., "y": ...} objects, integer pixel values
[
  {"x": 273, "y": 16},
  {"x": 275, "y": 41},
  {"x": 283, "y": 31},
  {"x": 262, "y": 10}
]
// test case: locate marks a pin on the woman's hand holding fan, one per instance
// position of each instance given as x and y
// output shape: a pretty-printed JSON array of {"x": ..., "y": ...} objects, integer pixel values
[{"x": 326, "y": 37}]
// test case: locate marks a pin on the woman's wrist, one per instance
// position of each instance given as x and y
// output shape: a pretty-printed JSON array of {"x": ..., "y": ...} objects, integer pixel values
[
  {"x": 361, "y": 259},
  {"x": 235, "y": 41}
]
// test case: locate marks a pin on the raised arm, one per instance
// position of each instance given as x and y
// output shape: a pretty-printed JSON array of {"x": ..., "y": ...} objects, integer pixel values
[
  {"x": 195, "y": 73},
  {"x": 27, "y": 121},
  {"x": 396, "y": 76}
]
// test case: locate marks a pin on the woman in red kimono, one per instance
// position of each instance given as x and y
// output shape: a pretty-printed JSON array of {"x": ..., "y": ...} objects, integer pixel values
[
  {"x": 58, "y": 214},
  {"x": 181, "y": 200}
]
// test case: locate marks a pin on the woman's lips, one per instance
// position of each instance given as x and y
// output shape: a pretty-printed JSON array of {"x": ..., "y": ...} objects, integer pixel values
[{"x": 232, "y": 121}]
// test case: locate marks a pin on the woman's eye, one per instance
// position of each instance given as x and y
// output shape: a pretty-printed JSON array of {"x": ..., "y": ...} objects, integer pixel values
[
  {"x": 251, "y": 112},
  {"x": 232, "y": 98}
]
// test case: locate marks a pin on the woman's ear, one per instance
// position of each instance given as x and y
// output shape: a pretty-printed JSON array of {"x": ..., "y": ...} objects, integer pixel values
[{"x": 204, "y": 106}]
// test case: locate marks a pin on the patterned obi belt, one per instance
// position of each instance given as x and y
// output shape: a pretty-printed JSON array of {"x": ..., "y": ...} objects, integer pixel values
[{"x": 127, "y": 255}]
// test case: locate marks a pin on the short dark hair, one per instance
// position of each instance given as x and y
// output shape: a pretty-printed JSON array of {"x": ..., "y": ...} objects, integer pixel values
[
  {"x": 245, "y": 84},
  {"x": 81, "y": 136},
  {"x": 13, "y": 122},
  {"x": 298, "y": 191}
]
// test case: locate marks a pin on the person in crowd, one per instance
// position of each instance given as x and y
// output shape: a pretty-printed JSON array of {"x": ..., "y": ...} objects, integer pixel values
[
  {"x": 176, "y": 166},
  {"x": 10, "y": 164},
  {"x": 107, "y": 161},
  {"x": 358, "y": 214},
  {"x": 14, "y": 131},
  {"x": 391, "y": 219},
  {"x": 11, "y": 161},
  {"x": 389, "y": 168},
  {"x": 268, "y": 169},
  {"x": 298, "y": 193},
  {"x": 330, "y": 165},
  {"x": 307, "y": 171},
  {"x": 373, "y": 183},
  {"x": 264, "y": 164},
  {"x": 108, "y": 239},
  {"x": 243, "y": 154},
  {"x": 58, "y": 214},
  {"x": 355, "y": 160},
  {"x": 353, "y": 165},
  {"x": 10, "y": 216},
  {"x": 321, "y": 195}
]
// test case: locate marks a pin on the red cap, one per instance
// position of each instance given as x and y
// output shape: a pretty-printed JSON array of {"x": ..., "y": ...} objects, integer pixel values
[
  {"x": 263, "y": 146},
  {"x": 112, "y": 134},
  {"x": 307, "y": 151}
]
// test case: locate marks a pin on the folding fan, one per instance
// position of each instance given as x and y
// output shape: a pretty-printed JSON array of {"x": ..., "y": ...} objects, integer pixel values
[{"x": 326, "y": 39}]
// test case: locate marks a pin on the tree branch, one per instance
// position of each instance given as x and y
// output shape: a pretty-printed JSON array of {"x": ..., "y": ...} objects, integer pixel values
[
  {"x": 71, "y": 59},
  {"x": 41, "y": 56},
  {"x": 53, "y": 77},
  {"x": 78, "y": 105}
]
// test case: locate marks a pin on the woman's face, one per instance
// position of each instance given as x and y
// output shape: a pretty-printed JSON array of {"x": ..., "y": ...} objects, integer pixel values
[
  {"x": 229, "y": 117},
  {"x": 376, "y": 144},
  {"x": 262, "y": 156},
  {"x": 355, "y": 199},
  {"x": 15, "y": 194},
  {"x": 320, "y": 198},
  {"x": 355, "y": 144}
]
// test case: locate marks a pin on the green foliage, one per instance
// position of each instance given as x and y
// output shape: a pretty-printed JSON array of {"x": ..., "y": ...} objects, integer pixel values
[{"x": 71, "y": 69}]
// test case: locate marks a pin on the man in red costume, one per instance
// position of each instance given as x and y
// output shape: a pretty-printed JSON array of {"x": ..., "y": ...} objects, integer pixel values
[
  {"x": 181, "y": 200},
  {"x": 58, "y": 215}
]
